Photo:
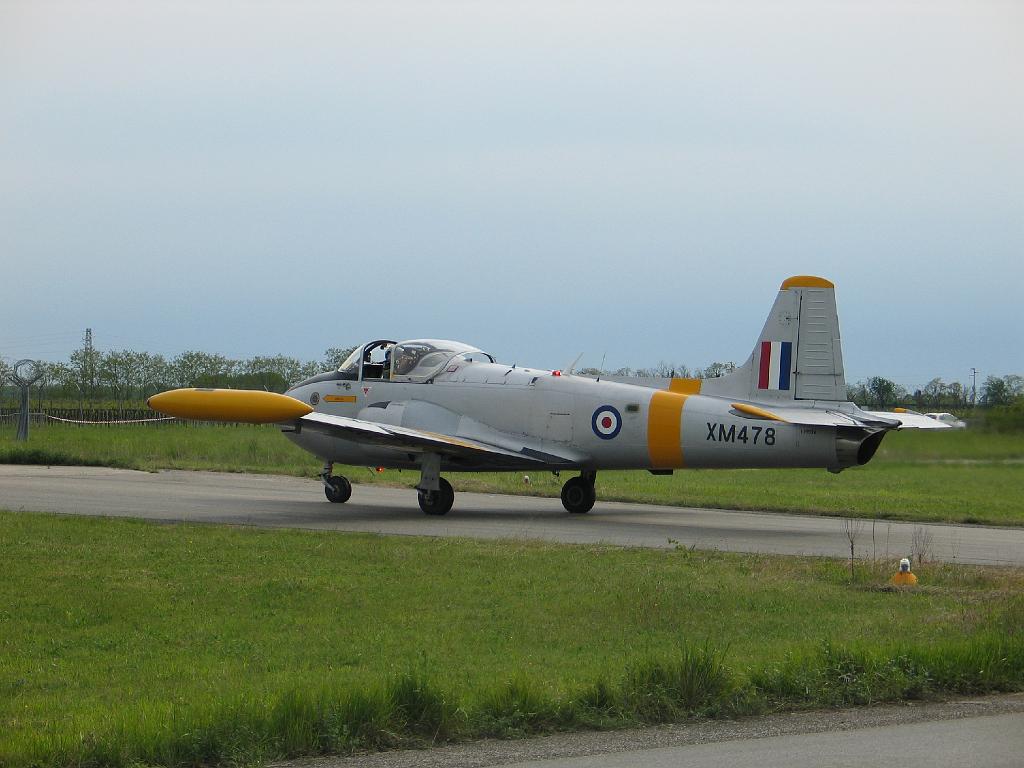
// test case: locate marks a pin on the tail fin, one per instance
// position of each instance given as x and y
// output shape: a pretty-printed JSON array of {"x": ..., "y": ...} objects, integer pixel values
[{"x": 798, "y": 355}]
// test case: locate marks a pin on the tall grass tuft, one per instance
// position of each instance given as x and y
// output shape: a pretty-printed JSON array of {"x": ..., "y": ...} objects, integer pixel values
[
  {"x": 847, "y": 676},
  {"x": 519, "y": 707},
  {"x": 51, "y": 457},
  {"x": 422, "y": 710},
  {"x": 694, "y": 682}
]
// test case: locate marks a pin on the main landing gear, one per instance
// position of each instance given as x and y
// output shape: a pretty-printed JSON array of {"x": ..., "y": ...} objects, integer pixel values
[
  {"x": 437, "y": 502},
  {"x": 578, "y": 494},
  {"x": 435, "y": 493},
  {"x": 337, "y": 489}
]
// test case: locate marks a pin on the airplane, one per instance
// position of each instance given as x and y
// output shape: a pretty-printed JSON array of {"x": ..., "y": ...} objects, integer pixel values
[{"x": 437, "y": 406}]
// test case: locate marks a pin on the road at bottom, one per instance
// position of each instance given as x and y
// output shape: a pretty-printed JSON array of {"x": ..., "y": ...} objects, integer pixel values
[
  {"x": 994, "y": 742},
  {"x": 983, "y": 732}
]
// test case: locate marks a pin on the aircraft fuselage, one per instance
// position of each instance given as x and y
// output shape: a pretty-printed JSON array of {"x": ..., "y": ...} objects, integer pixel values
[{"x": 572, "y": 422}]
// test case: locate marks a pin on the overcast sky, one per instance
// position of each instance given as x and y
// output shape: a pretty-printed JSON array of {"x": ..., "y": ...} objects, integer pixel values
[{"x": 630, "y": 180}]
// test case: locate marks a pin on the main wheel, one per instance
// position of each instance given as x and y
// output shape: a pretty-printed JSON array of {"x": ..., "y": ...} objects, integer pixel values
[
  {"x": 338, "y": 489},
  {"x": 578, "y": 495},
  {"x": 438, "y": 502}
]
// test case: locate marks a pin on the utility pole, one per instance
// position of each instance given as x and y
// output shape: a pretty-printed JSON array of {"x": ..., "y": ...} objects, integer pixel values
[{"x": 974, "y": 387}]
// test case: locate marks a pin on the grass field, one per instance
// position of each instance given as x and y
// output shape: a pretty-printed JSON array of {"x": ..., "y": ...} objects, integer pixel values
[
  {"x": 950, "y": 476},
  {"x": 125, "y": 642}
]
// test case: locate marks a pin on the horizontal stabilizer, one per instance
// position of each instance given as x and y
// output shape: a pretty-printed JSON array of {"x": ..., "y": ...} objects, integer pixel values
[
  {"x": 817, "y": 417},
  {"x": 831, "y": 417},
  {"x": 911, "y": 419}
]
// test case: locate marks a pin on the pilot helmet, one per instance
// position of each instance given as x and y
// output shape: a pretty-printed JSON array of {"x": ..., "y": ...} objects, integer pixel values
[{"x": 905, "y": 565}]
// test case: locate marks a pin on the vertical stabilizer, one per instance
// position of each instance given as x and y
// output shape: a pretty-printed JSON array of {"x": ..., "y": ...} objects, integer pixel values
[{"x": 798, "y": 355}]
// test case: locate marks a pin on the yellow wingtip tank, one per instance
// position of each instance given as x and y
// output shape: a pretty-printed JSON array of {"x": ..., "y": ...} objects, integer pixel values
[{"x": 241, "y": 405}]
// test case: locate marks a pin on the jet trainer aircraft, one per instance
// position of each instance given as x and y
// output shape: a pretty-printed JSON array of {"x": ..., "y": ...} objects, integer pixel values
[{"x": 442, "y": 406}]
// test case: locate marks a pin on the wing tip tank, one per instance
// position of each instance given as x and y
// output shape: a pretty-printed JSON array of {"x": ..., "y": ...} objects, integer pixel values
[{"x": 238, "y": 405}]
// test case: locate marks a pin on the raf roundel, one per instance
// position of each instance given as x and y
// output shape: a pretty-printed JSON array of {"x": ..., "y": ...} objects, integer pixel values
[{"x": 606, "y": 422}]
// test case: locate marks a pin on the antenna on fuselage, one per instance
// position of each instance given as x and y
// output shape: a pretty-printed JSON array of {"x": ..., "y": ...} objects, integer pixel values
[{"x": 572, "y": 366}]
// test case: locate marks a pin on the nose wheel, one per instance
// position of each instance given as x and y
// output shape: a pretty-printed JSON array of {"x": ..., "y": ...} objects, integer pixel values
[
  {"x": 337, "y": 489},
  {"x": 437, "y": 502},
  {"x": 578, "y": 494}
]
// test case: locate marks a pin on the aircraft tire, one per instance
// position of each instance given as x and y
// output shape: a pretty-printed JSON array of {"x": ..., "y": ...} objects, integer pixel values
[
  {"x": 578, "y": 496},
  {"x": 438, "y": 502},
  {"x": 338, "y": 489}
]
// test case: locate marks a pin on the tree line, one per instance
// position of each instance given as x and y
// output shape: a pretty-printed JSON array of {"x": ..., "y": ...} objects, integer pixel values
[
  {"x": 123, "y": 376},
  {"x": 937, "y": 395},
  {"x": 126, "y": 376}
]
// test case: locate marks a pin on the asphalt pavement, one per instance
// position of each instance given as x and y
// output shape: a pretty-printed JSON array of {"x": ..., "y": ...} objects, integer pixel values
[
  {"x": 288, "y": 502},
  {"x": 981, "y": 732}
]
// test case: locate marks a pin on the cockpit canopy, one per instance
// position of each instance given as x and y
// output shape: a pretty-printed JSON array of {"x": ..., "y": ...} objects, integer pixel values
[{"x": 417, "y": 360}]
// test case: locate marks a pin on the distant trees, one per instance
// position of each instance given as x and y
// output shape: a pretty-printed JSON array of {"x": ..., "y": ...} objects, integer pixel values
[
  {"x": 335, "y": 356},
  {"x": 1001, "y": 390},
  {"x": 884, "y": 392},
  {"x": 715, "y": 370},
  {"x": 878, "y": 392},
  {"x": 85, "y": 370},
  {"x": 125, "y": 376},
  {"x": 937, "y": 395},
  {"x": 664, "y": 370}
]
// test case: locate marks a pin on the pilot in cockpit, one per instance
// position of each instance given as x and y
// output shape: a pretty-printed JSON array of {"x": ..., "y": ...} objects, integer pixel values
[{"x": 407, "y": 359}]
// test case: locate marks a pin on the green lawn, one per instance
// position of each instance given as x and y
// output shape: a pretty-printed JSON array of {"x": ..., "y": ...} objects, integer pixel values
[
  {"x": 951, "y": 476},
  {"x": 124, "y": 641}
]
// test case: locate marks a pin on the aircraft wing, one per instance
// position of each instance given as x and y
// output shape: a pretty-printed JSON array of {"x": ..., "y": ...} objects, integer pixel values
[
  {"x": 826, "y": 417},
  {"x": 257, "y": 407},
  {"x": 413, "y": 440}
]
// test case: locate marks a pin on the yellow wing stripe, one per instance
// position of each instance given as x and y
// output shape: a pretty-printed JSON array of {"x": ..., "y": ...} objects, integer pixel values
[{"x": 664, "y": 441}]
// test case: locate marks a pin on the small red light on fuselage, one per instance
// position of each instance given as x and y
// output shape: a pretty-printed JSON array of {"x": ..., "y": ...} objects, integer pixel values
[{"x": 556, "y": 373}]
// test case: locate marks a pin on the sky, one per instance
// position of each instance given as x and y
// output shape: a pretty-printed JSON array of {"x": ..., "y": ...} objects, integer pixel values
[{"x": 627, "y": 181}]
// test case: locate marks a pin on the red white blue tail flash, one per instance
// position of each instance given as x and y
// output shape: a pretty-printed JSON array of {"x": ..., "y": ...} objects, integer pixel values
[{"x": 776, "y": 357}]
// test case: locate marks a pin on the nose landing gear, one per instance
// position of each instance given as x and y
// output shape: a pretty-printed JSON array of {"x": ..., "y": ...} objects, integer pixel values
[
  {"x": 337, "y": 489},
  {"x": 578, "y": 494}
]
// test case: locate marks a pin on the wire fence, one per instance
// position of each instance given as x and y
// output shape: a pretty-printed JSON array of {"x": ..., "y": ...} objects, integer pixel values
[{"x": 100, "y": 416}]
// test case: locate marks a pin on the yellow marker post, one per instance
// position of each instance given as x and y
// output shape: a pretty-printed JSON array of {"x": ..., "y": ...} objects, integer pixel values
[{"x": 903, "y": 577}]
